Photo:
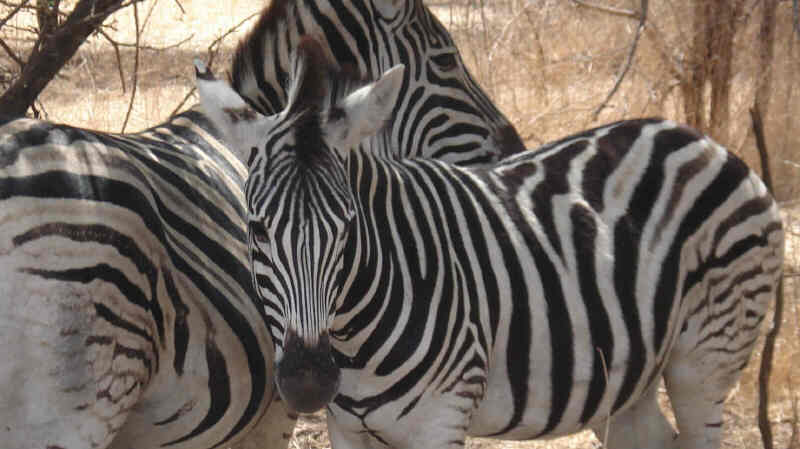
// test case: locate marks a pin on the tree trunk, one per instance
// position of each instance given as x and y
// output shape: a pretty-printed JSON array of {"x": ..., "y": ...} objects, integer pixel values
[
  {"x": 55, "y": 47},
  {"x": 706, "y": 84}
]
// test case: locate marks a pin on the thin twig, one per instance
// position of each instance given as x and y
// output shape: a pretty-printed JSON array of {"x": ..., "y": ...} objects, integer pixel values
[
  {"x": 13, "y": 13},
  {"x": 155, "y": 48},
  {"x": 608, "y": 9},
  {"x": 212, "y": 52},
  {"x": 213, "y": 48},
  {"x": 115, "y": 46},
  {"x": 11, "y": 54},
  {"x": 183, "y": 11},
  {"x": 629, "y": 62},
  {"x": 507, "y": 28},
  {"x": 135, "y": 66}
]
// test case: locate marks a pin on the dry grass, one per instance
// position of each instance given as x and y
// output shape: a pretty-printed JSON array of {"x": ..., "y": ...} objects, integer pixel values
[{"x": 548, "y": 65}]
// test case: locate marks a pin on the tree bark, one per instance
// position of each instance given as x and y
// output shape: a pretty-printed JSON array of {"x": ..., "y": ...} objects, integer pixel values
[
  {"x": 54, "y": 48},
  {"x": 706, "y": 84}
]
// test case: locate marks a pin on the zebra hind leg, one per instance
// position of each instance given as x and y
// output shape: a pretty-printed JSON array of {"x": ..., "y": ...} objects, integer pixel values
[{"x": 641, "y": 426}]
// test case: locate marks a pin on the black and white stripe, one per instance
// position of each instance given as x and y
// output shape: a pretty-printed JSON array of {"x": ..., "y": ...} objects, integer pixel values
[
  {"x": 125, "y": 255},
  {"x": 129, "y": 315},
  {"x": 532, "y": 298},
  {"x": 440, "y": 112}
]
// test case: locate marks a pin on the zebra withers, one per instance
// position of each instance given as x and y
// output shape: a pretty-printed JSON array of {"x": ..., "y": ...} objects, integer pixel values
[
  {"x": 441, "y": 112},
  {"x": 532, "y": 298}
]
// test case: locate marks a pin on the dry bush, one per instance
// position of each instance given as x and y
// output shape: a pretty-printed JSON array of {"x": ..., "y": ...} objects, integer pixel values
[{"x": 549, "y": 64}]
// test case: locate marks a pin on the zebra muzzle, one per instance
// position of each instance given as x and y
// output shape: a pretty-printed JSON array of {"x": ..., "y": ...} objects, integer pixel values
[{"x": 307, "y": 376}]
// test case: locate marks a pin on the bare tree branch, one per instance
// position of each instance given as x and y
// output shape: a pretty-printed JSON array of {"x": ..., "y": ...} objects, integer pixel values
[
  {"x": 135, "y": 67},
  {"x": 147, "y": 47},
  {"x": 629, "y": 62},
  {"x": 608, "y": 9},
  {"x": 183, "y": 11},
  {"x": 115, "y": 46},
  {"x": 13, "y": 13},
  {"x": 53, "y": 50},
  {"x": 11, "y": 54}
]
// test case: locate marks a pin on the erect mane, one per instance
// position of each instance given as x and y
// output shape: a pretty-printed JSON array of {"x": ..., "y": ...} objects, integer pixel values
[
  {"x": 317, "y": 82},
  {"x": 249, "y": 61},
  {"x": 261, "y": 63}
]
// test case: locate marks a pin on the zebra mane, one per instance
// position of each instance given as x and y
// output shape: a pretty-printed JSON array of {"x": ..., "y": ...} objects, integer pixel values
[
  {"x": 316, "y": 85},
  {"x": 317, "y": 82},
  {"x": 253, "y": 59}
]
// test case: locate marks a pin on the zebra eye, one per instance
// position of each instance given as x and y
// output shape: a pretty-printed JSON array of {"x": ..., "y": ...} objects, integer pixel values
[
  {"x": 445, "y": 61},
  {"x": 259, "y": 232}
]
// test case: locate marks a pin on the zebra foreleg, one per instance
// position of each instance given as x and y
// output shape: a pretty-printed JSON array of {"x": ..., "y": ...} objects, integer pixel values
[
  {"x": 640, "y": 426},
  {"x": 436, "y": 422}
]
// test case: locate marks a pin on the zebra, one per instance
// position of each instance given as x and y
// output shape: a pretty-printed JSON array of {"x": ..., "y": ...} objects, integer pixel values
[
  {"x": 421, "y": 301},
  {"x": 129, "y": 313},
  {"x": 129, "y": 318},
  {"x": 442, "y": 112}
]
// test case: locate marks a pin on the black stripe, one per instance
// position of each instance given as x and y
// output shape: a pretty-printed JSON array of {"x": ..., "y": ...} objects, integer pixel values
[{"x": 584, "y": 237}]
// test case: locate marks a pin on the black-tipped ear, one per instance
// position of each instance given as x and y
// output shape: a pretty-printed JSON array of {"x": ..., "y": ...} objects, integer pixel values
[{"x": 202, "y": 72}]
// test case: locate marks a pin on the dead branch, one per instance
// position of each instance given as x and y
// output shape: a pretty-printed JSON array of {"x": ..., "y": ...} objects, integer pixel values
[
  {"x": 135, "y": 67},
  {"x": 629, "y": 62},
  {"x": 608, "y": 9},
  {"x": 10, "y": 52},
  {"x": 765, "y": 371},
  {"x": 115, "y": 46},
  {"x": 52, "y": 50},
  {"x": 13, "y": 13},
  {"x": 183, "y": 11}
]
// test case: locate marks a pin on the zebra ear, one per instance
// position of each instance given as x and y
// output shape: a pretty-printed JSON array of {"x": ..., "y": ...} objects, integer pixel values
[
  {"x": 240, "y": 123},
  {"x": 365, "y": 111}
]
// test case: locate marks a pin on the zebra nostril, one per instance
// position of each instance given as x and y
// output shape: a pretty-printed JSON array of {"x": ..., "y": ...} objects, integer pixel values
[{"x": 307, "y": 377}]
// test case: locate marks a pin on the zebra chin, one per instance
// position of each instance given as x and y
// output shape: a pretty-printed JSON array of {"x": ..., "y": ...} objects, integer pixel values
[{"x": 307, "y": 377}]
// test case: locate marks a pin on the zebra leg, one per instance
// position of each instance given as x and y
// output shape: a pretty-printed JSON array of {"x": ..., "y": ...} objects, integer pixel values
[
  {"x": 641, "y": 426},
  {"x": 716, "y": 341},
  {"x": 345, "y": 439}
]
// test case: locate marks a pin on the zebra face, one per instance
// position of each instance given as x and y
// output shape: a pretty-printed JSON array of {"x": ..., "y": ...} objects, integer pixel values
[{"x": 301, "y": 208}]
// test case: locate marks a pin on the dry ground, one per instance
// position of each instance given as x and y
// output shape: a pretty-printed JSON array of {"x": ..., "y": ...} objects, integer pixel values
[{"x": 546, "y": 63}]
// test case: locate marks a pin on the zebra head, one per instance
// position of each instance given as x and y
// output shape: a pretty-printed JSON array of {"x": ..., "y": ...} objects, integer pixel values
[
  {"x": 301, "y": 207},
  {"x": 441, "y": 111}
]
